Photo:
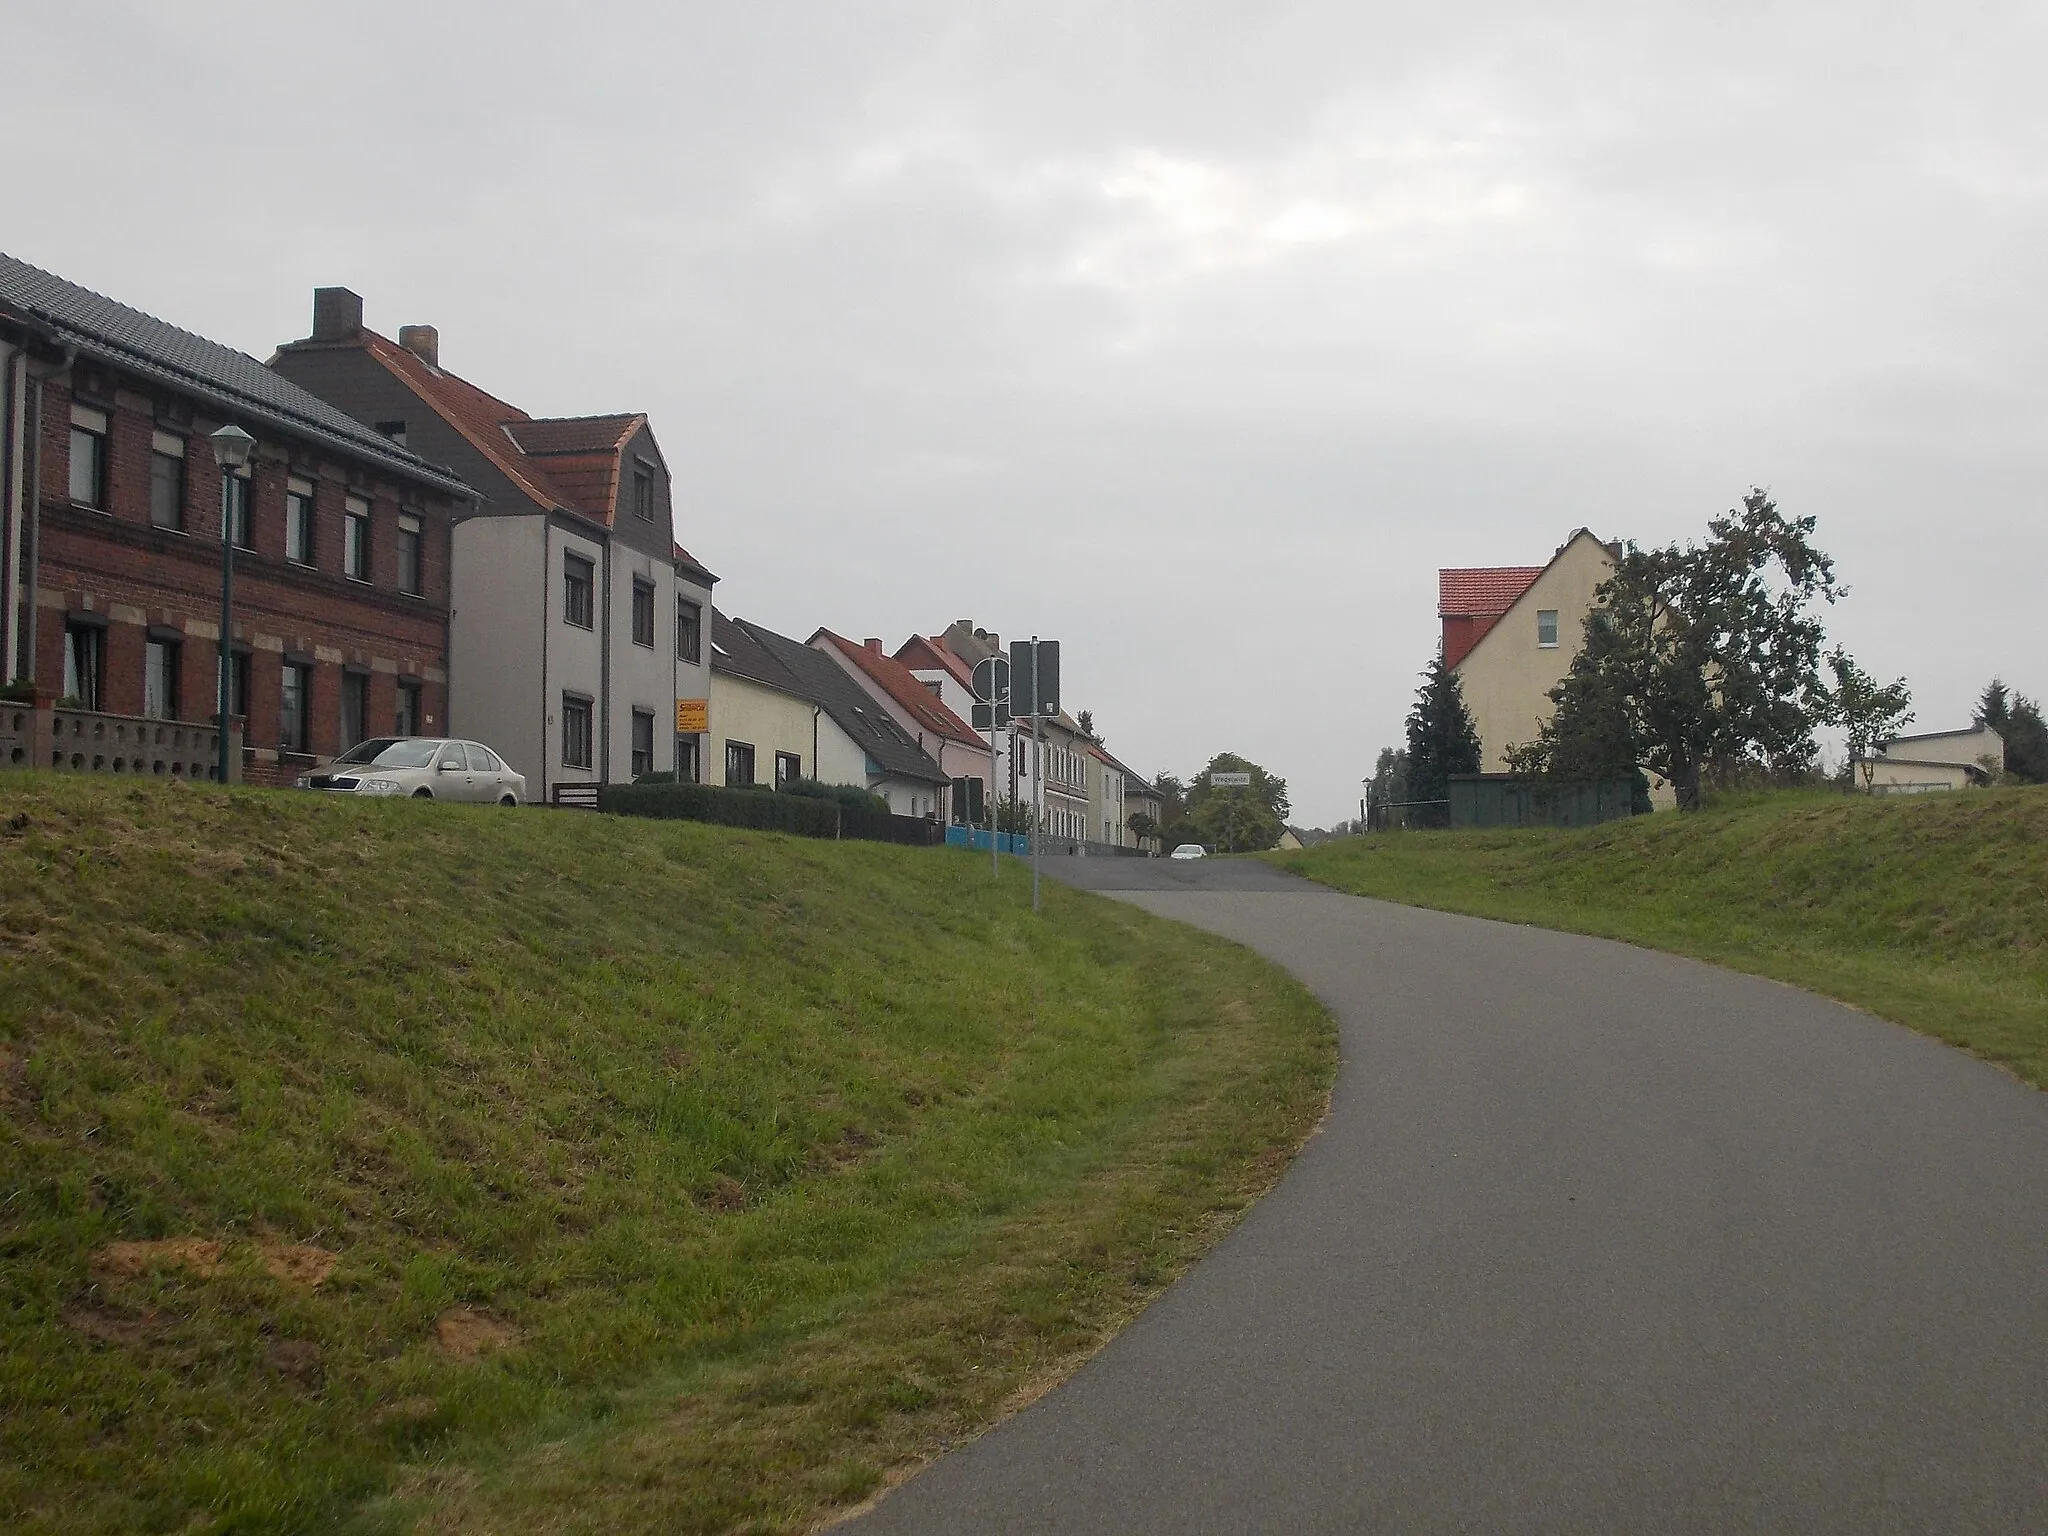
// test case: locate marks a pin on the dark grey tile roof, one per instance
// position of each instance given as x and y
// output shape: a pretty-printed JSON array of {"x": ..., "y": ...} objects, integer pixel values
[
  {"x": 746, "y": 650},
  {"x": 112, "y": 333}
]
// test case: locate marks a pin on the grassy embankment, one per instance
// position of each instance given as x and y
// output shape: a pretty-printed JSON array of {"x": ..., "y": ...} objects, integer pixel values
[
  {"x": 388, "y": 1166},
  {"x": 1932, "y": 912}
]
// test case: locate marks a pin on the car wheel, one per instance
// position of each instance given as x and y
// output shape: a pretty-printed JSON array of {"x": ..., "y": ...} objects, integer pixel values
[
  {"x": 508, "y": 800},
  {"x": 423, "y": 794}
]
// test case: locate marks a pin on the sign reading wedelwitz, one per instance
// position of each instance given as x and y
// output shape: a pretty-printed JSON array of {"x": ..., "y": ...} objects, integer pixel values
[{"x": 1230, "y": 781}]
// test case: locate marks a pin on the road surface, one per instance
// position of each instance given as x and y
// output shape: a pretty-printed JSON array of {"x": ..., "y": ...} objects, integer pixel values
[{"x": 1594, "y": 1239}]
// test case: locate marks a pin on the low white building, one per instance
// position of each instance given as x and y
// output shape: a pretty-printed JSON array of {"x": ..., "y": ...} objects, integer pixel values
[{"x": 1934, "y": 761}]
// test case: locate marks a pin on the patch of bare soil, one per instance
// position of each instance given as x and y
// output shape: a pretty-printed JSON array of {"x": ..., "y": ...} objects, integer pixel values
[
  {"x": 126, "y": 1261},
  {"x": 299, "y": 1361},
  {"x": 110, "y": 1326},
  {"x": 298, "y": 1264},
  {"x": 466, "y": 1332}
]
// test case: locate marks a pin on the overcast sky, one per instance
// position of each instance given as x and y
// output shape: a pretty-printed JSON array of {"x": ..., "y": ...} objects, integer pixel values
[{"x": 1197, "y": 335}]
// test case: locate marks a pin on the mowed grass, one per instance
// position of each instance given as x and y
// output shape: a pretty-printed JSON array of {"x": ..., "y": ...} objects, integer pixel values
[
  {"x": 1931, "y": 911},
  {"x": 400, "y": 1166}
]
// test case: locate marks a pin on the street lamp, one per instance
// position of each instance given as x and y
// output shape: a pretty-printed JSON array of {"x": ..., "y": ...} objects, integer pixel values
[{"x": 231, "y": 449}]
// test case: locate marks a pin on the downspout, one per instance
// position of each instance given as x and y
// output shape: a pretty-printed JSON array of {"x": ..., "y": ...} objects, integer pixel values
[
  {"x": 547, "y": 761},
  {"x": 604, "y": 671},
  {"x": 16, "y": 386},
  {"x": 35, "y": 504}
]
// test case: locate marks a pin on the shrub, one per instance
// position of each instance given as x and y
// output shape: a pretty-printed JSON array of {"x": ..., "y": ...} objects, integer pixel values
[
  {"x": 852, "y": 796},
  {"x": 725, "y": 807}
]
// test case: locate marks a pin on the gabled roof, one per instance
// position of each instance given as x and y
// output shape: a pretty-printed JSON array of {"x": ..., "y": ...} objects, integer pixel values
[
  {"x": 1485, "y": 589},
  {"x": 930, "y": 653},
  {"x": 566, "y": 463},
  {"x": 901, "y": 685},
  {"x": 760, "y": 655},
  {"x": 693, "y": 566},
  {"x": 239, "y": 385}
]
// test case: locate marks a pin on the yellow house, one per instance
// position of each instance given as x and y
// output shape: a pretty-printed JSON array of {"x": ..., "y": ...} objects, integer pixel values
[
  {"x": 1936, "y": 760},
  {"x": 1510, "y": 633}
]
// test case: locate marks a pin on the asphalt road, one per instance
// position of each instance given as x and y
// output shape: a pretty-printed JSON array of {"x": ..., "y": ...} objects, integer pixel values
[{"x": 1594, "y": 1239}]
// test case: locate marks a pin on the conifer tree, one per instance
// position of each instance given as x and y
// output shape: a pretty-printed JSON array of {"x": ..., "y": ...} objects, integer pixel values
[{"x": 1442, "y": 740}]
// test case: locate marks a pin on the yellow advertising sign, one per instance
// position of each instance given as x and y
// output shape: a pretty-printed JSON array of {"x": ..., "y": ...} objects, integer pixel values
[{"x": 693, "y": 716}]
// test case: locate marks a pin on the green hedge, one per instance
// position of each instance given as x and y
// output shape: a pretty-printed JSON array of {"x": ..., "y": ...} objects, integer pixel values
[{"x": 727, "y": 807}]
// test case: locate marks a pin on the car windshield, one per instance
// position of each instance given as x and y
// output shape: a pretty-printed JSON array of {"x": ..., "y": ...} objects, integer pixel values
[
  {"x": 366, "y": 751},
  {"x": 406, "y": 754}
]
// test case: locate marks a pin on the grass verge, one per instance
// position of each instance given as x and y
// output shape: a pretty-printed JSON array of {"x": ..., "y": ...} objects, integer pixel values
[
  {"x": 403, "y": 1166},
  {"x": 1930, "y": 911}
]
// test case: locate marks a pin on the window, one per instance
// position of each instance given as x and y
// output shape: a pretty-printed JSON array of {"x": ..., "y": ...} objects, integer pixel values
[
  {"x": 292, "y": 715},
  {"x": 405, "y": 720},
  {"x": 238, "y": 511},
  {"x": 643, "y": 492},
  {"x": 686, "y": 759},
  {"x": 739, "y": 764},
  {"x": 167, "y": 481},
  {"x": 575, "y": 731},
  {"x": 410, "y": 542},
  {"x": 238, "y": 686},
  {"x": 643, "y": 742},
  {"x": 643, "y": 612},
  {"x": 88, "y": 456},
  {"x": 395, "y": 430},
  {"x": 483, "y": 760},
  {"x": 160, "y": 679},
  {"x": 789, "y": 767},
  {"x": 1546, "y": 627},
  {"x": 689, "y": 631},
  {"x": 453, "y": 756},
  {"x": 355, "y": 539},
  {"x": 85, "y": 664},
  {"x": 579, "y": 588},
  {"x": 355, "y": 708},
  {"x": 298, "y": 521}
]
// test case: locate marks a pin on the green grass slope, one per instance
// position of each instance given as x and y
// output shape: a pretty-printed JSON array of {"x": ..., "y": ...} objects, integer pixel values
[
  {"x": 408, "y": 1166},
  {"x": 1932, "y": 911}
]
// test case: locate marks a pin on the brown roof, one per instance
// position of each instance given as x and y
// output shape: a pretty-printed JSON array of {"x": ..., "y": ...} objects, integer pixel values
[
  {"x": 574, "y": 434},
  {"x": 903, "y": 686},
  {"x": 551, "y": 460},
  {"x": 1485, "y": 589},
  {"x": 930, "y": 652}
]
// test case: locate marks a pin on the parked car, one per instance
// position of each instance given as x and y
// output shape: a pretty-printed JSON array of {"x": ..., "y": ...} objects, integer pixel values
[
  {"x": 1189, "y": 851},
  {"x": 423, "y": 767}
]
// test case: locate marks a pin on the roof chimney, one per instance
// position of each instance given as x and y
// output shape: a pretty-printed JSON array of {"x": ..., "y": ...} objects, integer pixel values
[
  {"x": 337, "y": 314},
  {"x": 873, "y": 644},
  {"x": 423, "y": 342}
]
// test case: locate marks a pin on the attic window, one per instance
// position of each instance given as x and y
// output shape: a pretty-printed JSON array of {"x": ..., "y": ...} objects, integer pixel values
[
  {"x": 395, "y": 430},
  {"x": 643, "y": 491},
  {"x": 1546, "y": 628}
]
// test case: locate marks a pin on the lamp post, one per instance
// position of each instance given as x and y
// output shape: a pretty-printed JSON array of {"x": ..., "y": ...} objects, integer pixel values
[{"x": 231, "y": 449}]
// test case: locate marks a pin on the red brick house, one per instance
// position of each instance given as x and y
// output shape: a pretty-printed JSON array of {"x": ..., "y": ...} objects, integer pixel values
[{"x": 112, "y": 551}]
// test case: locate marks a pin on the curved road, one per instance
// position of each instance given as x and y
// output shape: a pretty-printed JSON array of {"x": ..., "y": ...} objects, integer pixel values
[{"x": 1594, "y": 1239}]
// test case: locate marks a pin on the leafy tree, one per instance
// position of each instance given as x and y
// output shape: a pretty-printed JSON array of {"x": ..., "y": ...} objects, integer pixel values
[
  {"x": 1700, "y": 655},
  {"x": 1234, "y": 820},
  {"x": 2017, "y": 718},
  {"x": 1173, "y": 809},
  {"x": 1144, "y": 826},
  {"x": 1086, "y": 720},
  {"x": 1442, "y": 740},
  {"x": 1013, "y": 814},
  {"x": 1589, "y": 737},
  {"x": 1389, "y": 785},
  {"x": 1869, "y": 715}
]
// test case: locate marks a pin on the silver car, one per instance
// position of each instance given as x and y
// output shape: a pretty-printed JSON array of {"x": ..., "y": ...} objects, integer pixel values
[{"x": 423, "y": 767}]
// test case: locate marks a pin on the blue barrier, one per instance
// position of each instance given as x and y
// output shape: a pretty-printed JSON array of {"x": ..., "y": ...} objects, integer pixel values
[{"x": 977, "y": 837}]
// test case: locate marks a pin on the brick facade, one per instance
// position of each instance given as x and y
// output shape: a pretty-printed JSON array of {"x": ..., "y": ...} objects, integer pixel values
[{"x": 113, "y": 569}]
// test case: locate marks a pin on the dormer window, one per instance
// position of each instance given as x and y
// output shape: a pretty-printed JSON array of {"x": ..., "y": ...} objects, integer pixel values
[
  {"x": 395, "y": 430},
  {"x": 643, "y": 491}
]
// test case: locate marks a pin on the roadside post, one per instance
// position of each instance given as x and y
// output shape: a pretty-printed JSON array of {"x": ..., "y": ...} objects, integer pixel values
[
  {"x": 1035, "y": 679},
  {"x": 992, "y": 689}
]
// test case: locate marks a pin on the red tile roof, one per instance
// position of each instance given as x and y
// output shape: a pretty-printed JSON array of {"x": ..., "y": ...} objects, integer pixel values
[
  {"x": 568, "y": 462},
  {"x": 929, "y": 652},
  {"x": 1485, "y": 589},
  {"x": 903, "y": 686}
]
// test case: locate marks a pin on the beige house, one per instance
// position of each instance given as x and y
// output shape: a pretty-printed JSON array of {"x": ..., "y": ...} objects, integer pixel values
[
  {"x": 1934, "y": 761},
  {"x": 1510, "y": 633}
]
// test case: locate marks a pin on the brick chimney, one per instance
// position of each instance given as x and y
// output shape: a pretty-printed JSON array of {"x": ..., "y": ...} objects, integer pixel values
[
  {"x": 873, "y": 645},
  {"x": 423, "y": 342},
  {"x": 337, "y": 314}
]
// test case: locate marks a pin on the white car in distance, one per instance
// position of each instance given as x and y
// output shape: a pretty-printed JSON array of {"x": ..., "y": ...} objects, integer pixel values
[
  {"x": 1189, "y": 851},
  {"x": 422, "y": 768}
]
